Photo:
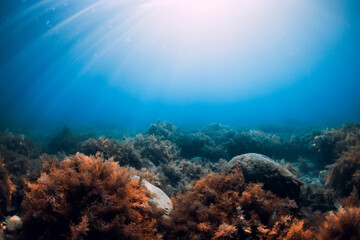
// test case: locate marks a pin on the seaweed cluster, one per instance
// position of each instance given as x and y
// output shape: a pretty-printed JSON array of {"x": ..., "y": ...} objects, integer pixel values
[
  {"x": 65, "y": 142},
  {"x": 222, "y": 206},
  {"x": 344, "y": 174},
  {"x": 216, "y": 141},
  {"x": 18, "y": 156},
  {"x": 6, "y": 189},
  {"x": 140, "y": 151},
  {"x": 111, "y": 188},
  {"x": 122, "y": 152},
  {"x": 178, "y": 174},
  {"x": 87, "y": 197}
]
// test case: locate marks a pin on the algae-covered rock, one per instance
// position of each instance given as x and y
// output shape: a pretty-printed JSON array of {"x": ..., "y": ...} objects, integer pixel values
[{"x": 262, "y": 169}]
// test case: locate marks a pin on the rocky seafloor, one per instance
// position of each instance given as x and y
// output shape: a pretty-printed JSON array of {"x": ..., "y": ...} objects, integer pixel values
[{"x": 210, "y": 182}]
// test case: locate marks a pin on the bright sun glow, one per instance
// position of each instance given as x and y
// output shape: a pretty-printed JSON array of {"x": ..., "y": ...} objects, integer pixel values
[
  {"x": 191, "y": 50},
  {"x": 219, "y": 49}
]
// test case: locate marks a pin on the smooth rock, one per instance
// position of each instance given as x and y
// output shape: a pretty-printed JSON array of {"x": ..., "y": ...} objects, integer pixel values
[
  {"x": 262, "y": 169},
  {"x": 13, "y": 223},
  {"x": 159, "y": 199}
]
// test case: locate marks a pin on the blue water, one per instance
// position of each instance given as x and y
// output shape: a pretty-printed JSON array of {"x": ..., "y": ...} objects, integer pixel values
[{"x": 130, "y": 63}]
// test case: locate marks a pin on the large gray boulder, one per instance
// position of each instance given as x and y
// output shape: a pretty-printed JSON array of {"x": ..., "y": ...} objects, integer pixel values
[{"x": 262, "y": 169}]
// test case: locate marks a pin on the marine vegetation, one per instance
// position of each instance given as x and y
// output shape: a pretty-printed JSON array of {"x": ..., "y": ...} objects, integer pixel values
[
  {"x": 344, "y": 224},
  {"x": 65, "y": 141},
  {"x": 164, "y": 130},
  {"x": 306, "y": 186},
  {"x": 19, "y": 158},
  {"x": 18, "y": 167},
  {"x": 122, "y": 152},
  {"x": 178, "y": 174},
  {"x": 223, "y": 206},
  {"x": 331, "y": 143},
  {"x": 215, "y": 141},
  {"x": 19, "y": 143},
  {"x": 344, "y": 175},
  {"x": 140, "y": 151},
  {"x": 87, "y": 198},
  {"x": 155, "y": 150},
  {"x": 6, "y": 189}
]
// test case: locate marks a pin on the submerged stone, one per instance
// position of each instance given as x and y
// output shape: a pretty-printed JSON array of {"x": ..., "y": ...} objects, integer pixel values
[
  {"x": 262, "y": 169},
  {"x": 159, "y": 199},
  {"x": 13, "y": 223}
]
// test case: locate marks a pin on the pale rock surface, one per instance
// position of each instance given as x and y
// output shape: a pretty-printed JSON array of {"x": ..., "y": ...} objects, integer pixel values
[
  {"x": 159, "y": 199},
  {"x": 13, "y": 223}
]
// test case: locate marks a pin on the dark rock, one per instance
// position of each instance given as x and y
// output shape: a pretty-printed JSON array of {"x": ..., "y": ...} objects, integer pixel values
[{"x": 259, "y": 168}]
